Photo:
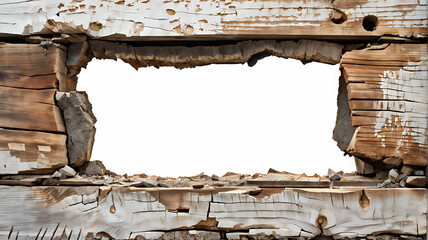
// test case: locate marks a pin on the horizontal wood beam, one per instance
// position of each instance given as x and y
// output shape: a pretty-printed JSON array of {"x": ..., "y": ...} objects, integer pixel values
[
  {"x": 126, "y": 212},
  {"x": 180, "y": 20}
]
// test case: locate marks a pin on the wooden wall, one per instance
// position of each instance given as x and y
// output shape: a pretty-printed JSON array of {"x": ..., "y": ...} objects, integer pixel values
[{"x": 32, "y": 132}]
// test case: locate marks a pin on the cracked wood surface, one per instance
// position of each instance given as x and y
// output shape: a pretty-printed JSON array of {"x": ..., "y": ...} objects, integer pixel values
[
  {"x": 142, "y": 20},
  {"x": 126, "y": 212},
  {"x": 28, "y": 103},
  {"x": 31, "y": 152},
  {"x": 32, "y": 131},
  {"x": 388, "y": 98}
]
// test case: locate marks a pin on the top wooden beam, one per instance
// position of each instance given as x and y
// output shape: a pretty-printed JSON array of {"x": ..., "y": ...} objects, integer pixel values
[{"x": 212, "y": 19}]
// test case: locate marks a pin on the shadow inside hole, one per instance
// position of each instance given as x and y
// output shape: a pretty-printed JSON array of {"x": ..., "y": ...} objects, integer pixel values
[
  {"x": 337, "y": 16},
  {"x": 370, "y": 23}
]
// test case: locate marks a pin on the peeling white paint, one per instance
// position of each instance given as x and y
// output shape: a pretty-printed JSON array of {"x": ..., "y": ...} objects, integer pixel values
[
  {"x": 101, "y": 18},
  {"x": 42, "y": 162},
  {"x": 25, "y": 166},
  {"x": 8, "y": 163},
  {"x": 12, "y": 165},
  {"x": 408, "y": 113}
]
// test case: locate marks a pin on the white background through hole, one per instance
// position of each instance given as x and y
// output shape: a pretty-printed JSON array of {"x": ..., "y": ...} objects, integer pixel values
[{"x": 278, "y": 114}]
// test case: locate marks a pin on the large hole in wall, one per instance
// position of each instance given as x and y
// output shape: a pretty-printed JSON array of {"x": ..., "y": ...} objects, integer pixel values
[{"x": 278, "y": 114}]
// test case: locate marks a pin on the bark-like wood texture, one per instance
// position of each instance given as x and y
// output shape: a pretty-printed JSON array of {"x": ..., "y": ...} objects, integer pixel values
[
  {"x": 388, "y": 98},
  {"x": 120, "y": 19},
  {"x": 32, "y": 138},
  {"x": 123, "y": 213},
  {"x": 241, "y": 52},
  {"x": 79, "y": 121}
]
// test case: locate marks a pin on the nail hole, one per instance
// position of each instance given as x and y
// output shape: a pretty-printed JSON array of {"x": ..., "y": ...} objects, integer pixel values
[
  {"x": 183, "y": 210},
  {"x": 179, "y": 210},
  {"x": 338, "y": 16},
  {"x": 370, "y": 23},
  {"x": 170, "y": 11},
  {"x": 112, "y": 209},
  {"x": 321, "y": 221}
]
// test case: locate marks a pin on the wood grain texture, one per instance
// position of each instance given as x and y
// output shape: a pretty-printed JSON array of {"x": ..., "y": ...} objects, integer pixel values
[
  {"x": 241, "y": 52},
  {"x": 28, "y": 81},
  {"x": 31, "y": 151},
  {"x": 124, "y": 213},
  {"x": 30, "y": 110},
  {"x": 32, "y": 131},
  {"x": 214, "y": 19},
  {"x": 28, "y": 60},
  {"x": 388, "y": 98}
]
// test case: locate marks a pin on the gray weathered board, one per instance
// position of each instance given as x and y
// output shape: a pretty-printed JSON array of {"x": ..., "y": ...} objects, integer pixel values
[{"x": 124, "y": 212}]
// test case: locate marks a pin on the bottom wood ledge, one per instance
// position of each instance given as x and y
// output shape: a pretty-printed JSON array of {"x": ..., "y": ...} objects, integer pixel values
[{"x": 208, "y": 213}]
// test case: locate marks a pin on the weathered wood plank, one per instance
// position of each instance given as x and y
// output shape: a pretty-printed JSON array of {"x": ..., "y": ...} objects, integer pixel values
[
  {"x": 27, "y": 96},
  {"x": 388, "y": 98},
  {"x": 31, "y": 151},
  {"x": 28, "y": 82},
  {"x": 28, "y": 59},
  {"x": 213, "y": 19},
  {"x": 124, "y": 213},
  {"x": 33, "y": 66},
  {"x": 30, "y": 110}
]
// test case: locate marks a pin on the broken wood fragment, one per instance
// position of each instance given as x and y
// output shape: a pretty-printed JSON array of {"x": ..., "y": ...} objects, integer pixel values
[
  {"x": 363, "y": 168},
  {"x": 393, "y": 175},
  {"x": 415, "y": 181},
  {"x": 67, "y": 171},
  {"x": 333, "y": 176},
  {"x": 240, "y": 52},
  {"x": 79, "y": 122},
  {"x": 92, "y": 168}
]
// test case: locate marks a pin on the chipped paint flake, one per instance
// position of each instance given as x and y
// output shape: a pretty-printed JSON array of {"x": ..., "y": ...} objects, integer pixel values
[
  {"x": 8, "y": 163},
  {"x": 16, "y": 146}
]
